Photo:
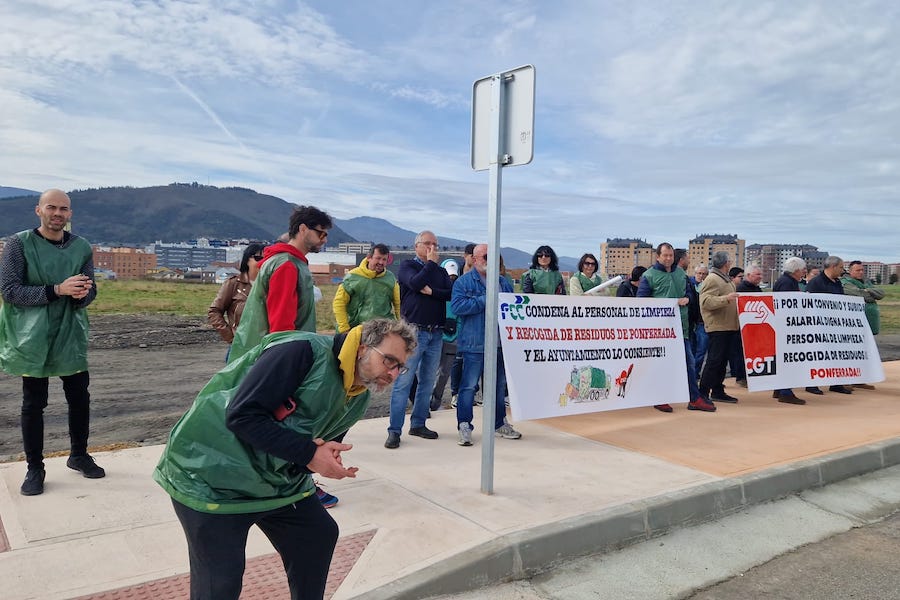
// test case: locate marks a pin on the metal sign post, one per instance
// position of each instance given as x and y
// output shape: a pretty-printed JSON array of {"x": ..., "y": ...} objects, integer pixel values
[{"x": 507, "y": 131}]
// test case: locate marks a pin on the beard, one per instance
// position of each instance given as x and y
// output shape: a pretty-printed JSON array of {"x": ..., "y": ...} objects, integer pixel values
[{"x": 373, "y": 383}]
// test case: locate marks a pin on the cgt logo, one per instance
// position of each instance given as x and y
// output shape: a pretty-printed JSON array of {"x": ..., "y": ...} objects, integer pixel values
[
  {"x": 755, "y": 313},
  {"x": 516, "y": 310}
]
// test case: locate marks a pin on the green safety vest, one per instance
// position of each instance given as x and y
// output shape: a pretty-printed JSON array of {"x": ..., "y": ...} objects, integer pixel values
[
  {"x": 254, "y": 323},
  {"x": 545, "y": 282},
  {"x": 670, "y": 285},
  {"x": 370, "y": 297},
  {"x": 207, "y": 468},
  {"x": 49, "y": 340},
  {"x": 873, "y": 315},
  {"x": 588, "y": 282}
]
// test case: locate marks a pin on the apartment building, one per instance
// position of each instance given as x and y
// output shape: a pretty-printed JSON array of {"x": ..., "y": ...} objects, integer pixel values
[
  {"x": 704, "y": 245},
  {"x": 126, "y": 263},
  {"x": 618, "y": 256}
]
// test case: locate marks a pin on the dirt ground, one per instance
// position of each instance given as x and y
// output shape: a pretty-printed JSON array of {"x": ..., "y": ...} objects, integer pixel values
[{"x": 145, "y": 372}]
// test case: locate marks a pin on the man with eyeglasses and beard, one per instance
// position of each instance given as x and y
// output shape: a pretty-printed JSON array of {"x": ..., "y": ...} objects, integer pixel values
[
  {"x": 282, "y": 297},
  {"x": 244, "y": 453}
]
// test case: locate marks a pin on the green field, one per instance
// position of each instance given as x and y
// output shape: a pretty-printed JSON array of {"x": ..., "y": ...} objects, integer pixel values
[
  {"x": 178, "y": 298},
  {"x": 193, "y": 299},
  {"x": 890, "y": 309}
]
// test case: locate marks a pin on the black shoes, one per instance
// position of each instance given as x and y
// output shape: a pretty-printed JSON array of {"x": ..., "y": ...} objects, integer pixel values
[
  {"x": 86, "y": 465},
  {"x": 815, "y": 390},
  {"x": 789, "y": 398},
  {"x": 34, "y": 482},
  {"x": 840, "y": 389},
  {"x": 423, "y": 432},
  {"x": 723, "y": 397},
  {"x": 393, "y": 440}
]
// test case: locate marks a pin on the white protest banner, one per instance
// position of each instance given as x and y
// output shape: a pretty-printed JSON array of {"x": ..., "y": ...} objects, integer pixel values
[
  {"x": 568, "y": 355},
  {"x": 795, "y": 339}
]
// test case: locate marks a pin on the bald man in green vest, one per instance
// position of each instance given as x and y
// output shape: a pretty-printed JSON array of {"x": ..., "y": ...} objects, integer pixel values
[{"x": 47, "y": 282}]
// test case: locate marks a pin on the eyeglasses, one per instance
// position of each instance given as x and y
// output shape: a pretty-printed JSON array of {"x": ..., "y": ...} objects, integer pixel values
[
  {"x": 322, "y": 234},
  {"x": 390, "y": 362},
  {"x": 543, "y": 255},
  {"x": 257, "y": 257},
  {"x": 589, "y": 263}
]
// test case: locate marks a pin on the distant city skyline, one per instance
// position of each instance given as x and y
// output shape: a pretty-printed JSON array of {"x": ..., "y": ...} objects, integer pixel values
[{"x": 660, "y": 120}]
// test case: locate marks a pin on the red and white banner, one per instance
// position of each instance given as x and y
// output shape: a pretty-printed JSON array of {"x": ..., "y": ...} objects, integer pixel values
[
  {"x": 796, "y": 339},
  {"x": 569, "y": 355}
]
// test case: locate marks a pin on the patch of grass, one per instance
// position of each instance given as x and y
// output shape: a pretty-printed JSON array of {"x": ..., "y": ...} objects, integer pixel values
[
  {"x": 178, "y": 298},
  {"x": 152, "y": 297},
  {"x": 890, "y": 309}
]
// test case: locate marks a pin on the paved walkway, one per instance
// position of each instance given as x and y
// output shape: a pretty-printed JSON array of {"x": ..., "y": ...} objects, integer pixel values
[{"x": 414, "y": 523}]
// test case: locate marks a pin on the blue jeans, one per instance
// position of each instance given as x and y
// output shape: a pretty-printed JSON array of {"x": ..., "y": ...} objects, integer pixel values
[
  {"x": 700, "y": 342},
  {"x": 473, "y": 367},
  {"x": 424, "y": 365},
  {"x": 693, "y": 388}
]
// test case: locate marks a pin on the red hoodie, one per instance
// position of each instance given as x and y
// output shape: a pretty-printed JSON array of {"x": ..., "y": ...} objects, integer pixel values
[{"x": 282, "y": 300}]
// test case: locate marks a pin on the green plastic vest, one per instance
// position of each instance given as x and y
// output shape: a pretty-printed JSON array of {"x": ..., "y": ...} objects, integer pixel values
[
  {"x": 588, "y": 282},
  {"x": 873, "y": 315},
  {"x": 205, "y": 467},
  {"x": 48, "y": 340},
  {"x": 545, "y": 282},
  {"x": 370, "y": 298},
  {"x": 254, "y": 323},
  {"x": 670, "y": 285}
]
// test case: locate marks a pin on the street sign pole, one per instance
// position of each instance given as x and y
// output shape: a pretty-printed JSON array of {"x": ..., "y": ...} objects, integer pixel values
[
  {"x": 489, "y": 391},
  {"x": 502, "y": 136}
]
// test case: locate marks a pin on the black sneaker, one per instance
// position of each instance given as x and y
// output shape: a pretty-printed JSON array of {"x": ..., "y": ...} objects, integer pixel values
[
  {"x": 34, "y": 482},
  {"x": 723, "y": 397},
  {"x": 423, "y": 432},
  {"x": 815, "y": 390},
  {"x": 86, "y": 465},
  {"x": 393, "y": 440}
]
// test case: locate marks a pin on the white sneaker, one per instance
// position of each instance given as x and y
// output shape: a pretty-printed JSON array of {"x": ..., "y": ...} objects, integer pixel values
[
  {"x": 453, "y": 401},
  {"x": 506, "y": 431},
  {"x": 465, "y": 434}
]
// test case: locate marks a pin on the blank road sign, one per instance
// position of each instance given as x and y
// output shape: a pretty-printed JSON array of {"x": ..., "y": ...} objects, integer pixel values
[{"x": 517, "y": 127}]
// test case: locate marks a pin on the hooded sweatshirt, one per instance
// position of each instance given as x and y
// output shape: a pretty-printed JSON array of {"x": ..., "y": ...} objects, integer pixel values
[
  {"x": 281, "y": 299},
  {"x": 365, "y": 294}
]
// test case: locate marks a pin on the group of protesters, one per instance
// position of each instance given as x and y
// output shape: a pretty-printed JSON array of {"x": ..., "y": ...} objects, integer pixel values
[{"x": 245, "y": 453}]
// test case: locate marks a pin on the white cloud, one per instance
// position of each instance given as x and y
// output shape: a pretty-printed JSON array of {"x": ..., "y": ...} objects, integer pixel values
[{"x": 770, "y": 120}]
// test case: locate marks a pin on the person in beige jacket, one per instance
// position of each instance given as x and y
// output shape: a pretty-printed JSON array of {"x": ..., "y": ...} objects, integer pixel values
[{"x": 718, "y": 307}]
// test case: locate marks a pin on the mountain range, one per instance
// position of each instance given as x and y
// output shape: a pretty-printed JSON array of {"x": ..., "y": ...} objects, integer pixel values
[{"x": 185, "y": 211}]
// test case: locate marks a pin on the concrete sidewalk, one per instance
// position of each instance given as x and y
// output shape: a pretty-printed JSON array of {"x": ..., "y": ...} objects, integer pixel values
[{"x": 414, "y": 523}]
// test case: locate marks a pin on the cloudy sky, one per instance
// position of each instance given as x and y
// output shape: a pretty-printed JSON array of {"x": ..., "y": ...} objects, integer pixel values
[{"x": 776, "y": 121}]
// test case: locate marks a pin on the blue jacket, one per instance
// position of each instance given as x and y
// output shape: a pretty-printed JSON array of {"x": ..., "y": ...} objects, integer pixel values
[{"x": 468, "y": 302}]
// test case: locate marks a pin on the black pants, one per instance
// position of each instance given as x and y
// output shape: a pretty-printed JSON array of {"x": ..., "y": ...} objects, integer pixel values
[
  {"x": 720, "y": 344},
  {"x": 304, "y": 534},
  {"x": 34, "y": 401},
  {"x": 445, "y": 370}
]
